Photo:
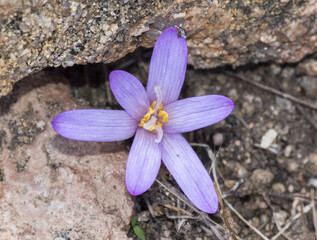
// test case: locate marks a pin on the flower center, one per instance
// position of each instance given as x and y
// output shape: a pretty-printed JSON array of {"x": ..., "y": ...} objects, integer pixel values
[{"x": 153, "y": 120}]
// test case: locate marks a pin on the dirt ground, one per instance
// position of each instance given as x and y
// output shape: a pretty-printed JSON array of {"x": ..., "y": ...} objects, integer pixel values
[{"x": 265, "y": 152}]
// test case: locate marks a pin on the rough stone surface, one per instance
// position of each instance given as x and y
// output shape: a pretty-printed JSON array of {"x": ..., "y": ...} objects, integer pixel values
[
  {"x": 51, "y": 187},
  {"x": 37, "y": 34}
]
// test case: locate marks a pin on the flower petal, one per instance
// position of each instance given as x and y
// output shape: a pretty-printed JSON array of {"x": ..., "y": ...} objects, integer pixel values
[
  {"x": 143, "y": 163},
  {"x": 95, "y": 125},
  {"x": 130, "y": 93},
  {"x": 188, "y": 171},
  {"x": 168, "y": 66},
  {"x": 197, "y": 112}
]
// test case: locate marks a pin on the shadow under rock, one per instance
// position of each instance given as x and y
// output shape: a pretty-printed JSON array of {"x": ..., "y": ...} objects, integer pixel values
[
  {"x": 80, "y": 148},
  {"x": 26, "y": 85}
]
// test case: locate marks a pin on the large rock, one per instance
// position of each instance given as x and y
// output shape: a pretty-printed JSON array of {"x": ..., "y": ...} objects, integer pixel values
[
  {"x": 52, "y": 187},
  {"x": 37, "y": 34}
]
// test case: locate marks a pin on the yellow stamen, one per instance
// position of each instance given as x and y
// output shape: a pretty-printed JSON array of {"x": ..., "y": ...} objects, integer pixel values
[
  {"x": 155, "y": 117},
  {"x": 162, "y": 114},
  {"x": 141, "y": 123},
  {"x": 146, "y": 117},
  {"x": 153, "y": 104}
]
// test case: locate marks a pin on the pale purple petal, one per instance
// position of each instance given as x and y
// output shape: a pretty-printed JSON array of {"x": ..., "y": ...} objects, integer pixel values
[
  {"x": 168, "y": 66},
  {"x": 130, "y": 93},
  {"x": 143, "y": 163},
  {"x": 188, "y": 171},
  {"x": 197, "y": 112},
  {"x": 95, "y": 125}
]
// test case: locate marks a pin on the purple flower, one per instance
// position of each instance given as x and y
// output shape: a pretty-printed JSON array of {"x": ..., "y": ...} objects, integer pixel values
[{"x": 157, "y": 118}]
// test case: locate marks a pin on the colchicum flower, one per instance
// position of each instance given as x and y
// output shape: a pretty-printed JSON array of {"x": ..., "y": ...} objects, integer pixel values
[{"x": 157, "y": 118}]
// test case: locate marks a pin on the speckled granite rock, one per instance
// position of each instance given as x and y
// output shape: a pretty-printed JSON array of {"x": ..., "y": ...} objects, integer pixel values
[
  {"x": 51, "y": 187},
  {"x": 37, "y": 34}
]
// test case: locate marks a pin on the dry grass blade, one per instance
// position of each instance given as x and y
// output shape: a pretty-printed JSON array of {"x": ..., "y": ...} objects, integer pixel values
[
  {"x": 272, "y": 90},
  {"x": 180, "y": 216},
  {"x": 212, "y": 157},
  {"x": 203, "y": 216},
  {"x": 178, "y": 209},
  {"x": 245, "y": 221},
  {"x": 312, "y": 194},
  {"x": 226, "y": 216},
  {"x": 304, "y": 222},
  {"x": 149, "y": 206},
  {"x": 306, "y": 209}
]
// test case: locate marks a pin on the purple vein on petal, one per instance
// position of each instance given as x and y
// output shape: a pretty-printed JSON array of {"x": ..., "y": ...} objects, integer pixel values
[
  {"x": 188, "y": 171},
  {"x": 168, "y": 66},
  {"x": 130, "y": 93},
  {"x": 95, "y": 125},
  {"x": 143, "y": 163},
  {"x": 196, "y": 112}
]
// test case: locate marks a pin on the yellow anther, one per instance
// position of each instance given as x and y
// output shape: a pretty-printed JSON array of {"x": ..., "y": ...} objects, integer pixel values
[
  {"x": 141, "y": 123},
  {"x": 146, "y": 117},
  {"x": 162, "y": 114},
  {"x": 156, "y": 117},
  {"x": 153, "y": 104}
]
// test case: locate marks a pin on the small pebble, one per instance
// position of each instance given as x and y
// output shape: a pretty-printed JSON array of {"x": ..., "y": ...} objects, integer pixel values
[
  {"x": 288, "y": 151},
  {"x": 233, "y": 94},
  {"x": 241, "y": 171},
  {"x": 307, "y": 67},
  {"x": 283, "y": 103},
  {"x": 292, "y": 166},
  {"x": 309, "y": 85},
  {"x": 255, "y": 222},
  {"x": 278, "y": 187},
  {"x": 40, "y": 125},
  {"x": 312, "y": 157},
  {"x": 288, "y": 72},
  {"x": 290, "y": 188},
  {"x": 312, "y": 182},
  {"x": 268, "y": 138},
  {"x": 262, "y": 177},
  {"x": 167, "y": 233},
  {"x": 144, "y": 216},
  {"x": 281, "y": 217},
  {"x": 229, "y": 183}
]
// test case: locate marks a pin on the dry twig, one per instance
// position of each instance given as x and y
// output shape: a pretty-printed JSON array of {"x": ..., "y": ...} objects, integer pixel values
[
  {"x": 304, "y": 222},
  {"x": 306, "y": 209},
  {"x": 180, "y": 216},
  {"x": 203, "y": 216},
  {"x": 312, "y": 194},
  {"x": 177, "y": 209},
  {"x": 214, "y": 163},
  {"x": 272, "y": 90},
  {"x": 278, "y": 226},
  {"x": 149, "y": 206}
]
